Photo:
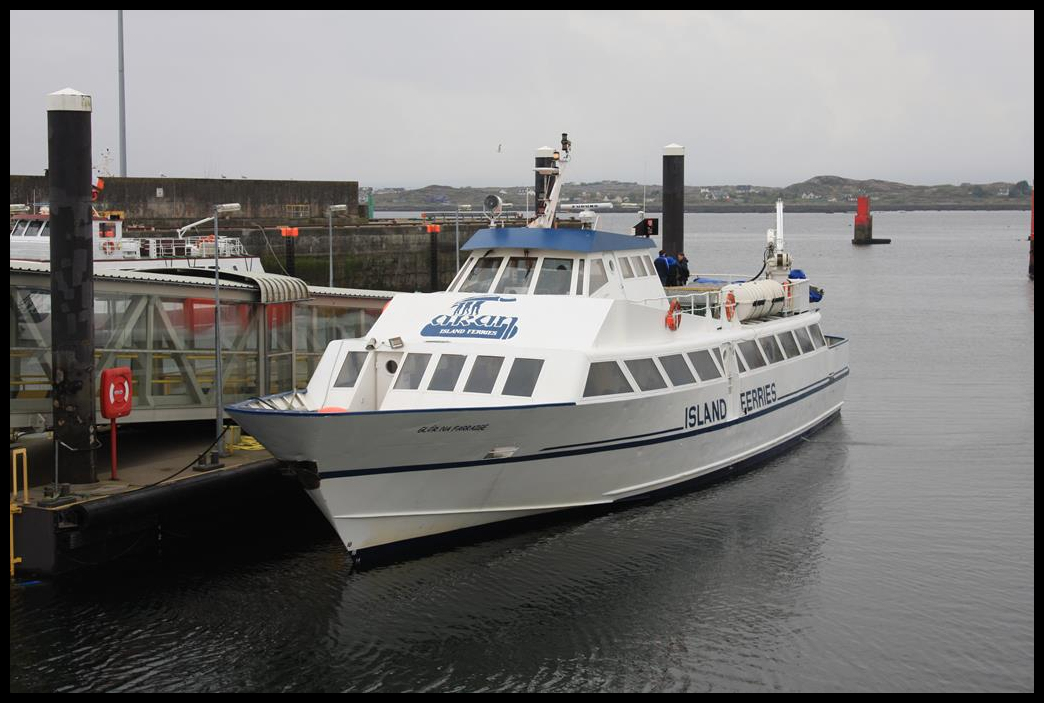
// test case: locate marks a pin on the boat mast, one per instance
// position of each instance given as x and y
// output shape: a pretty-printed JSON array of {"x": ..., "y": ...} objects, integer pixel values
[{"x": 547, "y": 200}]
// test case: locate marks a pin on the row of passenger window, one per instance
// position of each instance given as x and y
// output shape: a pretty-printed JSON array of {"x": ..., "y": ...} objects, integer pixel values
[
  {"x": 767, "y": 350},
  {"x": 607, "y": 378},
  {"x": 545, "y": 275},
  {"x": 521, "y": 379}
]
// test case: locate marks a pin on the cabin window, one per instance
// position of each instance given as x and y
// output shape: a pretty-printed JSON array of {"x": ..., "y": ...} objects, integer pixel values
[
  {"x": 646, "y": 374},
  {"x": 523, "y": 376},
  {"x": 447, "y": 371},
  {"x": 772, "y": 350},
  {"x": 19, "y": 228},
  {"x": 704, "y": 365},
  {"x": 677, "y": 370},
  {"x": 817, "y": 336},
  {"x": 484, "y": 374},
  {"x": 804, "y": 340},
  {"x": 625, "y": 267},
  {"x": 517, "y": 276},
  {"x": 555, "y": 277},
  {"x": 460, "y": 274},
  {"x": 34, "y": 228},
  {"x": 580, "y": 277},
  {"x": 717, "y": 355},
  {"x": 481, "y": 275},
  {"x": 752, "y": 355},
  {"x": 739, "y": 363},
  {"x": 640, "y": 263},
  {"x": 789, "y": 345},
  {"x": 598, "y": 277},
  {"x": 412, "y": 370},
  {"x": 350, "y": 369},
  {"x": 606, "y": 378}
]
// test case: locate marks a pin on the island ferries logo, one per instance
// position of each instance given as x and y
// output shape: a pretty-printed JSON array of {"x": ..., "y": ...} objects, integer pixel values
[{"x": 467, "y": 320}]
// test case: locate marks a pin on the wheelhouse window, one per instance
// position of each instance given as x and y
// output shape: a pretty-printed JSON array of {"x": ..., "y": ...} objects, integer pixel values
[
  {"x": 817, "y": 336},
  {"x": 606, "y": 378},
  {"x": 625, "y": 267},
  {"x": 556, "y": 275},
  {"x": 447, "y": 371},
  {"x": 412, "y": 370},
  {"x": 481, "y": 275},
  {"x": 484, "y": 374},
  {"x": 772, "y": 350},
  {"x": 704, "y": 365},
  {"x": 34, "y": 228},
  {"x": 804, "y": 340},
  {"x": 460, "y": 274},
  {"x": 350, "y": 369},
  {"x": 789, "y": 345},
  {"x": 646, "y": 374},
  {"x": 523, "y": 376},
  {"x": 580, "y": 277},
  {"x": 598, "y": 276},
  {"x": 752, "y": 354},
  {"x": 517, "y": 275},
  {"x": 677, "y": 370}
]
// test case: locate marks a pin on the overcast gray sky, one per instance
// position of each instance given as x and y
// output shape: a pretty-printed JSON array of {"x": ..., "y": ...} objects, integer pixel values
[{"x": 464, "y": 98}]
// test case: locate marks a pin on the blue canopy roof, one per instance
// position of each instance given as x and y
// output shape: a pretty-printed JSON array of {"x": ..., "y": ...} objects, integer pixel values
[{"x": 580, "y": 240}]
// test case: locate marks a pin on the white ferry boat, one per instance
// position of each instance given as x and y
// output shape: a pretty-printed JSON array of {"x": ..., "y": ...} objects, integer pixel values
[
  {"x": 31, "y": 241},
  {"x": 555, "y": 372}
]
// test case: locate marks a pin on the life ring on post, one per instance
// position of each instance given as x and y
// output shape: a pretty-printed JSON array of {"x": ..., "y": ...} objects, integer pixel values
[
  {"x": 674, "y": 315},
  {"x": 108, "y": 246},
  {"x": 730, "y": 306}
]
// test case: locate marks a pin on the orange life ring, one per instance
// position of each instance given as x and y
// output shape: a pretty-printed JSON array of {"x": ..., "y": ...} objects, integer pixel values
[
  {"x": 730, "y": 305},
  {"x": 108, "y": 246},
  {"x": 674, "y": 315}
]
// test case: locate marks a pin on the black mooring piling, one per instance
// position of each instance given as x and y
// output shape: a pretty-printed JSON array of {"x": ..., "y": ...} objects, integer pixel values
[
  {"x": 72, "y": 284},
  {"x": 673, "y": 240}
]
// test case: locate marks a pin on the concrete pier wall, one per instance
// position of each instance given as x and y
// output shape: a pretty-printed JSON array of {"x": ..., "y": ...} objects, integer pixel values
[{"x": 175, "y": 202}]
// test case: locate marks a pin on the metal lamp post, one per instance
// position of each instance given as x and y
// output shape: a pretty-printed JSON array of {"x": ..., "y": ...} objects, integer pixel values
[{"x": 329, "y": 214}]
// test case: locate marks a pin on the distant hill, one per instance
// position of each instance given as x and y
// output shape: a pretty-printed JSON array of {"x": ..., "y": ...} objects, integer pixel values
[{"x": 817, "y": 194}]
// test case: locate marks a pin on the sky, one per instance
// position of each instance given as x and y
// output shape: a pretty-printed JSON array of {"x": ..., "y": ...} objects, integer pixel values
[{"x": 464, "y": 98}]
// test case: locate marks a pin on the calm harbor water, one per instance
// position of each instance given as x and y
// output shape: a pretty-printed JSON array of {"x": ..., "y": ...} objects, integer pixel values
[{"x": 891, "y": 552}]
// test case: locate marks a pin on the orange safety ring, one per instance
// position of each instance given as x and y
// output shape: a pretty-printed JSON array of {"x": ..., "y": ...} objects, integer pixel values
[
  {"x": 108, "y": 247},
  {"x": 730, "y": 306},
  {"x": 674, "y": 315}
]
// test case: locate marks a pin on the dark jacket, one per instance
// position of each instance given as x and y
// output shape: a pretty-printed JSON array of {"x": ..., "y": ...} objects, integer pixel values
[{"x": 661, "y": 269}]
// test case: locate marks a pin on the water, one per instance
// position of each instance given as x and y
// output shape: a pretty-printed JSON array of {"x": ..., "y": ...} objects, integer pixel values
[{"x": 893, "y": 552}]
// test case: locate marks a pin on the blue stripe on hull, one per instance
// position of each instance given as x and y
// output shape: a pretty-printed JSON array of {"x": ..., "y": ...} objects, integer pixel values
[
  {"x": 491, "y": 530},
  {"x": 779, "y": 405}
]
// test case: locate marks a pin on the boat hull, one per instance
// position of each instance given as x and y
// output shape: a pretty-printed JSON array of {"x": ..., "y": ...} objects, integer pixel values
[{"x": 388, "y": 477}]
